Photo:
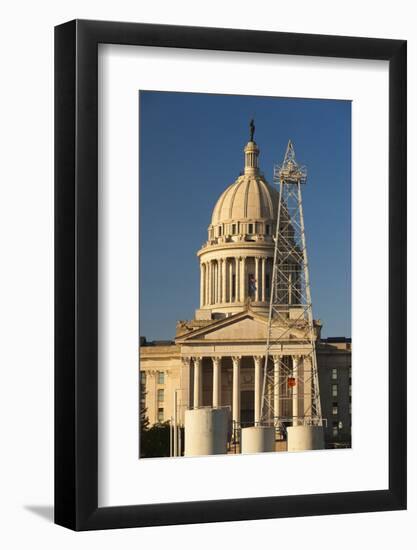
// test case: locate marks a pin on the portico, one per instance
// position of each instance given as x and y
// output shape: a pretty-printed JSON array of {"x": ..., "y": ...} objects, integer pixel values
[{"x": 226, "y": 358}]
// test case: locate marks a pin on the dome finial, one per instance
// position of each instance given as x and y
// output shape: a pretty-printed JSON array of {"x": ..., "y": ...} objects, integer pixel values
[
  {"x": 252, "y": 129},
  {"x": 251, "y": 152}
]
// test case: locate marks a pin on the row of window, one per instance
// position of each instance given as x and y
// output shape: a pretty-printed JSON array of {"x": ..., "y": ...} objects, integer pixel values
[
  {"x": 336, "y": 426},
  {"x": 335, "y": 390},
  {"x": 335, "y": 408},
  {"x": 161, "y": 377},
  {"x": 251, "y": 229},
  {"x": 334, "y": 374}
]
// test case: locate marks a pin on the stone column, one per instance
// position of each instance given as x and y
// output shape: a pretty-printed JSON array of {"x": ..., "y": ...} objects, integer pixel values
[
  {"x": 217, "y": 381},
  {"x": 257, "y": 278},
  {"x": 243, "y": 282},
  {"x": 230, "y": 281},
  {"x": 207, "y": 279},
  {"x": 209, "y": 283},
  {"x": 236, "y": 390},
  {"x": 258, "y": 388},
  {"x": 214, "y": 264},
  {"x": 237, "y": 293},
  {"x": 224, "y": 280},
  {"x": 185, "y": 385},
  {"x": 295, "y": 367},
  {"x": 202, "y": 284},
  {"x": 276, "y": 359},
  {"x": 198, "y": 382},
  {"x": 220, "y": 281},
  {"x": 263, "y": 279},
  {"x": 308, "y": 385}
]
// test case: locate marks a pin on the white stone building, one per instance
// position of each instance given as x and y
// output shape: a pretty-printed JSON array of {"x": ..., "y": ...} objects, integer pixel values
[{"x": 217, "y": 357}]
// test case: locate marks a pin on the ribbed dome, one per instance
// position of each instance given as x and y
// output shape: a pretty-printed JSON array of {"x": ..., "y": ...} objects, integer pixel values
[{"x": 249, "y": 198}]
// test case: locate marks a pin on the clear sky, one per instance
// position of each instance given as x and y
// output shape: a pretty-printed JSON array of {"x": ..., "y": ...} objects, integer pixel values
[{"x": 191, "y": 148}]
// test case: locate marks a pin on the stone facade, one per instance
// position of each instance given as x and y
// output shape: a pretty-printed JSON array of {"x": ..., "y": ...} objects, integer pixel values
[{"x": 334, "y": 368}]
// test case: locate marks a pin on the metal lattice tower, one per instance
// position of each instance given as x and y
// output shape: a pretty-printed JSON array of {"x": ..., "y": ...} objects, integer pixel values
[{"x": 290, "y": 391}]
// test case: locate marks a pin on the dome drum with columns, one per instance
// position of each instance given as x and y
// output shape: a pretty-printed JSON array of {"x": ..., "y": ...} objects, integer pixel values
[{"x": 237, "y": 259}]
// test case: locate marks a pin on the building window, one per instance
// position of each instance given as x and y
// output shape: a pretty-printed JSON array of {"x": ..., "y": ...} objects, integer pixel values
[
  {"x": 334, "y": 407},
  {"x": 250, "y": 228},
  {"x": 160, "y": 396},
  {"x": 220, "y": 231},
  {"x": 334, "y": 390},
  {"x": 160, "y": 414},
  {"x": 350, "y": 391},
  {"x": 267, "y": 229},
  {"x": 334, "y": 374},
  {"x": 233, "y": 229},
  {"x": 233, "y": 287},
  {"x": 335, "y": 428},
  {"x": 161, "y": 377},
  {"x": 267, "y": 284},
  {"x": 142, "y": 377}
]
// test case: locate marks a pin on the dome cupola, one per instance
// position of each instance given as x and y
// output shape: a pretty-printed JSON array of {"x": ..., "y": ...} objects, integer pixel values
[
  {"x": 246, "y": 210},
  {"x": 236, "y": 261}
]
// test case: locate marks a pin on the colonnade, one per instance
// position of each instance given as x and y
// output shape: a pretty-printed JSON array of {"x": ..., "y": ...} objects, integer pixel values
[
  {"x": 225, "y": 280},
  {"x": 299, "y": 396}
]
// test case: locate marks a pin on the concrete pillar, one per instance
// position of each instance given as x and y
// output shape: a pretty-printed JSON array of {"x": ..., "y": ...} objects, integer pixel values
[
  {"x": 276, "y": 359},
  {"x": 258, "y": 439},
  {"x": 224, "y": 280},
  {"x": 257, "y": 278},
  {"x": 263, "y": 279},
  {"x": 258, "y": 388},
  {"x": 217, "y": 381},
  {"x": 198, "y": 382},
  {"x": 206, "y": 432},
  {"x": 305, "y": 438},
  {"x": 236, "y": 390},
  {"x": 295, "y": 373}
]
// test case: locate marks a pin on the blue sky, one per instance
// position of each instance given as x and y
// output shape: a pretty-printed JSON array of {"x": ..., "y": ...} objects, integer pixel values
[{"x": 191, "y": 148}]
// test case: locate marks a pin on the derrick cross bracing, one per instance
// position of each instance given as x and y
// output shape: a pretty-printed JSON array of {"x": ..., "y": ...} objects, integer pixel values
[{"x": 290, "y": 387}]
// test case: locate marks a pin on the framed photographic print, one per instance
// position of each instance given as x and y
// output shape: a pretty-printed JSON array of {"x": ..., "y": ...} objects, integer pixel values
[{"x": 230, "y": 275}]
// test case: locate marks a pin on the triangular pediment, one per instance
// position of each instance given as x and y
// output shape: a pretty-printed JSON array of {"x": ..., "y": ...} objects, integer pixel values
[{"x": 241, "y": 327}]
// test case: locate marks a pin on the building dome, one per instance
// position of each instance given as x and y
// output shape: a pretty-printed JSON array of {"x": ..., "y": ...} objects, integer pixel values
[
  {"x": 236, "y": 260},
  {"x": 248, "y": 198},
  {"x": 247, "y": 209}
]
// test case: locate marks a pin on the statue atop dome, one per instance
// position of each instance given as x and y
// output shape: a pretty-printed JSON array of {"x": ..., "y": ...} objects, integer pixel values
[{"x": 252, "y": 129}]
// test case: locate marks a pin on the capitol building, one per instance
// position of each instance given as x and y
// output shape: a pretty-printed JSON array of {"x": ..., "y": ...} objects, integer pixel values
[{"x": 216, "y": 359}]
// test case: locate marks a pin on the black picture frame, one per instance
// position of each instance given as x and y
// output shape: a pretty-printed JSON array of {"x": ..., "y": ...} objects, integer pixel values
[{"x": 76, "y": 272}]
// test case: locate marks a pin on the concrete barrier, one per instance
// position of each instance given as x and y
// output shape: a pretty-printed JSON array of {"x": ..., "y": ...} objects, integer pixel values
[
  {"x": 258, "y": 439},
  {"x": 206, "y": 431},
  {"x": 305, "y": 438}
]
